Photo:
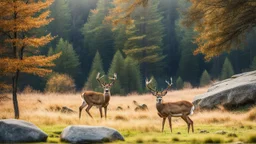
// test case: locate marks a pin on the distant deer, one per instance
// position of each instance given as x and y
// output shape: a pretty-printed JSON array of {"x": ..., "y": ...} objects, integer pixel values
[
  {"x": 140, "y": 107},
  {"x": 92, "y": 98},
  {"x": 171, "y": 109}
]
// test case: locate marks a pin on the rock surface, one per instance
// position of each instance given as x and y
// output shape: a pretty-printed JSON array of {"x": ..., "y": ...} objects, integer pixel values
[
  {"x": 19, "y": 131},
  {"x": 90, "y": 134},
  {"x": 237, "y": 91}
]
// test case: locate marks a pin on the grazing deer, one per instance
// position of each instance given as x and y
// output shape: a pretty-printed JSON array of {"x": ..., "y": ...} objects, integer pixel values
[
  {"x": 171, "y": 109},
  {"x": 92, "y": 98}
]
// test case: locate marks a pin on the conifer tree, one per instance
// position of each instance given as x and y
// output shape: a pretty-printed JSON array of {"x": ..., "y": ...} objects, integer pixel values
[
  {"x": 61, "y": 25},
  {"x": 227, "y": 69},
  {"x": 92, "y": 83},
  {"x": 97, "y": 34},
  {"x": 205, "y": 79},
  {"x": 132, "y": 77},
  {"x": 179, "y": 83},
  {"x": 17, "y": 19},
  {"x": 117, "y": 66},
  {"x": 68, "y": 62}
]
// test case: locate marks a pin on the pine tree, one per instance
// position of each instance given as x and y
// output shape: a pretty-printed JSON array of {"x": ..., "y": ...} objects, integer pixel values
[
  {"x": 179, "y": 83},
  {"x": 68, "y": 62},
  {"x": 253, "y": 64},
  {"x": 205, "y": 79},
  {"x": 97, "y": 34},
  {"x": 92, "y": 83},
  {"x": 132, "y": 78},
  {"x": 144, "y": 40},
  {"x": 17, "y": 19},
  {"x": 227, "y": 69},
  {"x": 117, "y": 66},
  {"x": 61, "y": 24}
]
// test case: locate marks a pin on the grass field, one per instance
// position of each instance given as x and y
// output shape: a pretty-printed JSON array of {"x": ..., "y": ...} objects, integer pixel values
[{"x": 136, "y": 127}]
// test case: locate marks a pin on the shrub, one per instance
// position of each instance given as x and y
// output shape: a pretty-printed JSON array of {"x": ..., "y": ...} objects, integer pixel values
[
  {"x": 187, "y": 85},
  {"x": 205, "y": 79},
  {"x": 29, "y": 89},
  {"x": 60, "y": 83}
]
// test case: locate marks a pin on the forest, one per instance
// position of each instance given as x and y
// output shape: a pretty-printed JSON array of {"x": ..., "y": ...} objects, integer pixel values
[{"x": 156, "y": 44}]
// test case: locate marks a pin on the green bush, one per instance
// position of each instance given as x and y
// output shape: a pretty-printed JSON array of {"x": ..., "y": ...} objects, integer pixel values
[{"x": 179, "y": 83}]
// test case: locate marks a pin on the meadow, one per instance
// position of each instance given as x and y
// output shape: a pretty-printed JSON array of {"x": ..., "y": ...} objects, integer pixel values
[{"x": 137, "y": 127}]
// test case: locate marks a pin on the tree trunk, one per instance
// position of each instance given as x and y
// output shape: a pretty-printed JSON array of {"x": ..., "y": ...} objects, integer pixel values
[{"x": 14, "y": 94}]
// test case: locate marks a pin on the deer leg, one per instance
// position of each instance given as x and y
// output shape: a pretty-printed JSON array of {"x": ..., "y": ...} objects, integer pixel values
[
  {"x": 105, "y": 110},
  {"x": 100, "y": 108},
  {"x": 192, "y": 124},
  {"x": 170, "y": 122},
  {"x": 163, "y": 124},
  {"x": 186, "y": 120},
  {"x": 81, "y": 108},
  {"x": 88, "y": 109}
]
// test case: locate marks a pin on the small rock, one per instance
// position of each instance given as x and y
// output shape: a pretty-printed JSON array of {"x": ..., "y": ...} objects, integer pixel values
[
  {"x": 203, "y": 131},
  {"x": 119, "y": 108},
  {"x": 232, "y": 135},
  {"x": 66, "y": 110},
  {"x": 221, "y": 132}
]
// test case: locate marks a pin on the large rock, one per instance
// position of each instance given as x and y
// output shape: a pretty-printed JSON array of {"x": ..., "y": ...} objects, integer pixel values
[
  {"x": 17, "y": 131},
  {"x": 237, "y": 91},
  {"x": 90, "y": 134}
]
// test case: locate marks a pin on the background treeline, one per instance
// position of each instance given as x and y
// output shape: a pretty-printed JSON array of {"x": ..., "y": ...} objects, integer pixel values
[{"x": 155, "y": 45}]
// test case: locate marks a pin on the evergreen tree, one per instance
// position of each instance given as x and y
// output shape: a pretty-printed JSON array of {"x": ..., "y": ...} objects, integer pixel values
[
  {"x": 60, "y": 26},
  {"x": 179, "y": 83},
  {"x": 253, "y": 64},
  {"x": 68, "y": 62},
  {"x": 227, "y": 70},
  {"x": 117, "y": 66},
  {"x": 144, "y": 38},
  {"x": 132, "y": 78},
  {"x": 97, "y": 34},
  {"x": 205, "y": 79},
  {"x": 189, "y": 68},
  {"x": 92, "y": 83}
]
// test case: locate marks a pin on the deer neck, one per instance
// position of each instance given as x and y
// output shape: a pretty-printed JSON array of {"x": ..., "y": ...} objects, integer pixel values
[
  {"x": 106, "y": 97},
  {"x": 159, "y": 106}
]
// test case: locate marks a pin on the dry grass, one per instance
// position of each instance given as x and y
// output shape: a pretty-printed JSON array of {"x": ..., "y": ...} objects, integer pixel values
[{"x": 43, "y": 110}]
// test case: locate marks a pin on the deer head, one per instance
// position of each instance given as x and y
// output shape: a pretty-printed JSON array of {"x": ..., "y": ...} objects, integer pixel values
[
  {"x": 106, "y": 86},
  {"x": 158, "y": 94}
]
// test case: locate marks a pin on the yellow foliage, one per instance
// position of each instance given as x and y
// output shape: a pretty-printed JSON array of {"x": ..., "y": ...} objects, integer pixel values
[{"x": 60, "y": 83}]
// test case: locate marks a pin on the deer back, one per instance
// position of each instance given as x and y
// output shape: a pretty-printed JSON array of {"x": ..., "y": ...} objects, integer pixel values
[
  {"x": 92, "y": 97},
  {"x": 172, "y": 108}
]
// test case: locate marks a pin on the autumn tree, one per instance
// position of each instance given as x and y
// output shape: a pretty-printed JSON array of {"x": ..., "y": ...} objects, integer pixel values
[
  {"x": 18, "y": 54},
  {"x": 221, "y": 25}
]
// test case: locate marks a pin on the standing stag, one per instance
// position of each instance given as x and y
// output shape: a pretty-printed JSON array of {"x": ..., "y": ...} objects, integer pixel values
[
  {"x": 171, "y": 109},
  {"x": 92, "y": 98}
]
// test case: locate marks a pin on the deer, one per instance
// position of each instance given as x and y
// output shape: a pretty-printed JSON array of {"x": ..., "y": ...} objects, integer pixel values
[
  {"x": 92, "y": 98},
  {"x": 171, "y": 109}
]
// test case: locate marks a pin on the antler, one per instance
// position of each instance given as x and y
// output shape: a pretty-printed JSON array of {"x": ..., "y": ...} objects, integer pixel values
[
  {"x": 113, "y": 79},
  {"x": 164, "y": 92},
  {"x": 151, "y": 89},
  {"x": 98, "y": 79}
]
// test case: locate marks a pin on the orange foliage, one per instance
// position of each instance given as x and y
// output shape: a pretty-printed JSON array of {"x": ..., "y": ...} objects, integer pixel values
[{"x": 16, "y": 19}]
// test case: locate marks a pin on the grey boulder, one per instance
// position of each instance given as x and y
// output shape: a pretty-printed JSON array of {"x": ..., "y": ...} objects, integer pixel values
[
  {"x": 237, "y": 91},
  {"x": 17, "y": 131},
  {"x": 90, "y": 134}
]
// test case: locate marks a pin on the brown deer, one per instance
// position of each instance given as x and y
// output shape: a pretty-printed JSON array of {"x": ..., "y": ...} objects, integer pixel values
[
  {"x": 171, "y": 109},
  {"x": 92, "y": 98}
]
